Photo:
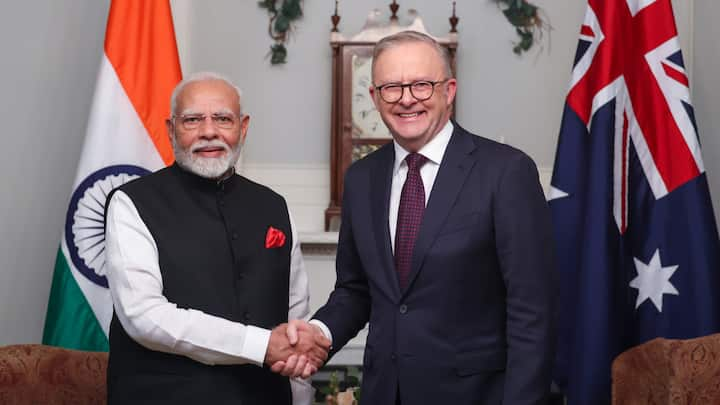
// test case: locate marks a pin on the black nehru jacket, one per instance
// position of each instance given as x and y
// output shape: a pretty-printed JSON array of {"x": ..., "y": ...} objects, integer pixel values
[{"x": 211, "y": 244}]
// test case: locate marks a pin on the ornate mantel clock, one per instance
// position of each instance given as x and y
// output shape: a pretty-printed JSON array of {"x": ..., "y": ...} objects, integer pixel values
[{"x": 356, "y": 127}]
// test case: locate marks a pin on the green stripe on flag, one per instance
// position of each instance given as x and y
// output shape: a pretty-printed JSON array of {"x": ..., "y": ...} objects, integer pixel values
[{"x": 70, "y": 322}]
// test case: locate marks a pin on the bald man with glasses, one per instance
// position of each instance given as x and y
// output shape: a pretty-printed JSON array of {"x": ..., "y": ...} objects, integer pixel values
[{"x": 205, "y": 269}]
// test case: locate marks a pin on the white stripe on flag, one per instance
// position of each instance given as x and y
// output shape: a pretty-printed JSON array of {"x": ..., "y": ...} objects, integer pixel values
[{"x": 115, "y": 135}]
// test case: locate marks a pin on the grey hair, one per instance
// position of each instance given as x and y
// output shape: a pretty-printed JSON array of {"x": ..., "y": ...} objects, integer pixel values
[
  {"x": 201, "y": 77},
  {"x": 405, "y": 37}
]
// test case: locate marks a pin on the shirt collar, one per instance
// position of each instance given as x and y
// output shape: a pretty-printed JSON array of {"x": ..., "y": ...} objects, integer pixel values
[
  {"x": 225, "y": 181},
  {"x": 433, "y": 150}
]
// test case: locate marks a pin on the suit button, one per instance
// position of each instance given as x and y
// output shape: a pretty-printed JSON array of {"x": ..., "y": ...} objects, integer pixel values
[
  {"x": 393, "y": 357},
  {"x": 246, "y": 316},
  {"x": 222, "y": 203},
  {"x": 403, "y": 309},
  {"x": 234, "y": 236}
]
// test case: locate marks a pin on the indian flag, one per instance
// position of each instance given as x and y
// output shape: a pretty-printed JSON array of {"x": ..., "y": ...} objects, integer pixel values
[{"x": 125, "y": 138}]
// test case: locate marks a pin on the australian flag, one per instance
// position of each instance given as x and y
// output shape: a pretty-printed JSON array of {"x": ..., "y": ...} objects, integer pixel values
[{"x": 636, "y": 239}]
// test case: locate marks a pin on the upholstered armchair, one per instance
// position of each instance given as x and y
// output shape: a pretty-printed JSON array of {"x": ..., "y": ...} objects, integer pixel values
[
  {"x": 37, "y": 374},
  {"x": 666, "y": 371}
]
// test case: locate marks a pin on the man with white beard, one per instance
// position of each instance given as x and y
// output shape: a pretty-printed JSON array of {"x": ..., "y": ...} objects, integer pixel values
[{"x": 205, "y": 270}]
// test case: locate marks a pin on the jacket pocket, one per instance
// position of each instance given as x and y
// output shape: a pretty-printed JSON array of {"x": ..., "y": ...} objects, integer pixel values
[{"x": 474, "y": 362}]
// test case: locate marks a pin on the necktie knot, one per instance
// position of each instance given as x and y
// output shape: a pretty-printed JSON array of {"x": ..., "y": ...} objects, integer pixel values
[{"x": 415, "y": 161}]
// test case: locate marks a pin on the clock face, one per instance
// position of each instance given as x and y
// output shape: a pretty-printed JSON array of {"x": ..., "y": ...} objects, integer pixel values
[{"x": 365, "y": 118}]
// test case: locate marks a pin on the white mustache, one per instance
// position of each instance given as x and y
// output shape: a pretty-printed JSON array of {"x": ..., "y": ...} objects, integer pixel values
[{"x": 209, "y": 144}]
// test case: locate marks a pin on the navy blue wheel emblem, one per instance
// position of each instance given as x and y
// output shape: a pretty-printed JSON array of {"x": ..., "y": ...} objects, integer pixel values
[{"x": 85, "y": 222}]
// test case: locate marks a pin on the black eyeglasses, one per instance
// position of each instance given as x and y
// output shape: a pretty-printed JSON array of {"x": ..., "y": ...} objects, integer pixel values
[{"x": 421, "y": 90}]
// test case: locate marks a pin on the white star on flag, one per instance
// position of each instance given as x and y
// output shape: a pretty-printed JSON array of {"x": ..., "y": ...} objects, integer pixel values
[
  {"x": 556, "y": 193},
  {"x": 653, "y": 281}
]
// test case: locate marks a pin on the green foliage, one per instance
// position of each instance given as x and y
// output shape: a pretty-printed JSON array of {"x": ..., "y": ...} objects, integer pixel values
[
  {"x": 291, "y": 9},
  {"x": 526, "y": 40},
  {"x": 353, "y": 377},
  {"x": 352, "y": 380},
  {"x": 281, "y": 21},
  {"x": 278, "y": 54},
  {"x": 268, "y": 4},
  {"x": 282, "y": 24},
  {"x": 521, "y": 15},
  {"x": 333, "y": 386},
  {"x": 525, "y": 17}
]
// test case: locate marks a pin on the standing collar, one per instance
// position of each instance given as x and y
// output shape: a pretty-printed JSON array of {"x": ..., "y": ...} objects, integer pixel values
[
  {"x": 226, "y": 181},
  {"x": 433, "y": 150}
]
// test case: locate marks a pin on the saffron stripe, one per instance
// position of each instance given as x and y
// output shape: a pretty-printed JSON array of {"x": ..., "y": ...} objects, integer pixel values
[{"x": 140, "y": 45}]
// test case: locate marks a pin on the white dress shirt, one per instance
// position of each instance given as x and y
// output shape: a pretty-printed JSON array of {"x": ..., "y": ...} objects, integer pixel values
[
  {"x": 136, "y": 287},
  {"x": 434, "y": 152}
]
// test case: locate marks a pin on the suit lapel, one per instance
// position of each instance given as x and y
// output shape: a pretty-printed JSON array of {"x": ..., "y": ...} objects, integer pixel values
[
  {"x": 381, "y": 181},
  {"x": 454, "y": 168}
]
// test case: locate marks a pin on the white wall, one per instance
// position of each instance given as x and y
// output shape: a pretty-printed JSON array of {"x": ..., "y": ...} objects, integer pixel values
[
  {"x": 52, "y": 49},
  {"x": 50, "y": 55},
  {"x": 500, "y": 95},
  {"x": 706, "y": 90}
]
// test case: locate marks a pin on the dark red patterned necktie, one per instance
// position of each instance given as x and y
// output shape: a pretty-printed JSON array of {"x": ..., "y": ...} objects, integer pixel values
[{"x": 410, "y": 213}]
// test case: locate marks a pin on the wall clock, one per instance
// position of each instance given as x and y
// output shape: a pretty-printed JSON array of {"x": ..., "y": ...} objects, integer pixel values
[{"x": 356, "y": 128}]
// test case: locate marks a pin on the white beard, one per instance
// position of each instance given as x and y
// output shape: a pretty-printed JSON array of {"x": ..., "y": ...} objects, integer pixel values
[{"x": 211, "y": 168}]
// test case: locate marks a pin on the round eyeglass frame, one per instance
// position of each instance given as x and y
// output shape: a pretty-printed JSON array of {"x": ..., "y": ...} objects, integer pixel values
[{"x": 380, "y": 89}]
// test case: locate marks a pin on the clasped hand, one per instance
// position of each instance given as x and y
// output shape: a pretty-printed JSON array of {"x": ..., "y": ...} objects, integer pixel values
[{"x": 297, "y": 349}]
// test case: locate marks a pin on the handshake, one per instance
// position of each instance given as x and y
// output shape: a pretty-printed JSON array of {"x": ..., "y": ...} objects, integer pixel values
[{"x": 297, "y": 349}]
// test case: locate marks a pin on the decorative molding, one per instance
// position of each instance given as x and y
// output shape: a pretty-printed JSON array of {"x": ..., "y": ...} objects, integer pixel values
[
  {"x": 319, "y": 243},
  {"x": 319, "y": 238},
  {"x": 375, "y": 29},
  {"x": 306, "y": 188}
]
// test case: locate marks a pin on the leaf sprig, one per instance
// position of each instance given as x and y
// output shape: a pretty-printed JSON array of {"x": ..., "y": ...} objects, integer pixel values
[
  {"x": 526, "y": 19},
  {"x": 280, "y": 26}
]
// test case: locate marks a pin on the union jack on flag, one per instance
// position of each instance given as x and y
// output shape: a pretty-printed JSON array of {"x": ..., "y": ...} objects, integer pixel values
[{"x": 637, "y": 245}]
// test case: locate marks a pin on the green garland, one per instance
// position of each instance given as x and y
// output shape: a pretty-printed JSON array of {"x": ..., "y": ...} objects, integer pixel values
[
  {"x": 525, "y": 17},
  {"x": 522, "y": 14},
  {"x": 281, "y": 18}
]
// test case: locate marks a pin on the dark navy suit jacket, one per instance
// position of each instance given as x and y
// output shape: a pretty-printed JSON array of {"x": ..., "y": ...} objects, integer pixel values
[{"x": 476, "y": 323}]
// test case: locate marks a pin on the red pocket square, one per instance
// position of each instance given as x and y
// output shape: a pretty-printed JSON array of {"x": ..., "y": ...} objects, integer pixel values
[{"x": 275, "y": 238}]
